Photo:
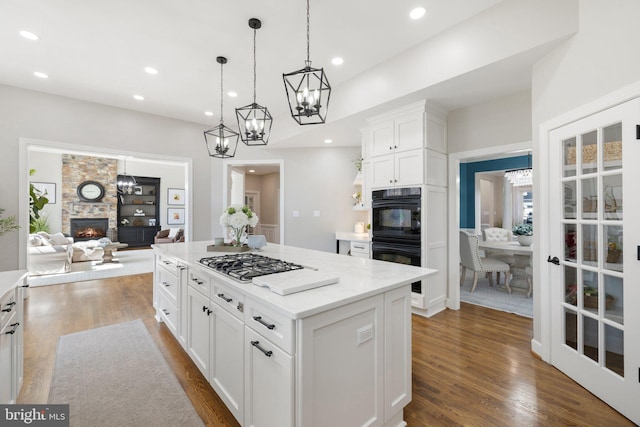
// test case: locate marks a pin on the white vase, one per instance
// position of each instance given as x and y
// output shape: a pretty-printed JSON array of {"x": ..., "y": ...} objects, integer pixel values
[{"x": 525, "y": 240}]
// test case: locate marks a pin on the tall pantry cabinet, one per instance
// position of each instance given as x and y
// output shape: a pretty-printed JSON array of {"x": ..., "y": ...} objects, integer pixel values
[{"x": 407, "y": 147}]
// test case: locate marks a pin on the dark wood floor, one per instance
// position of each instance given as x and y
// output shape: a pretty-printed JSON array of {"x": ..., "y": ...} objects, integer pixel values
[{"x": 471, "y": 367}]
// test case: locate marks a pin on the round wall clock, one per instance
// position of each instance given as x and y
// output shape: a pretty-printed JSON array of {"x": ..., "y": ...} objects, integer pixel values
[{"x": 90, "y": 191}]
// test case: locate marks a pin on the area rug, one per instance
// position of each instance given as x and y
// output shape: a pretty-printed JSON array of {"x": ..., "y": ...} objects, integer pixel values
[
  {"x": 496, "y": 297},
  {"x": 130, "y": 262},
  {"x": 116, "y": 376}
]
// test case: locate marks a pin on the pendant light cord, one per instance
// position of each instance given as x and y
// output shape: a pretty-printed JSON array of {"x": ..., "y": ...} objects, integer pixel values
[
  {"x": 254, "y": 65},
  {"x": 308, "y": 37},
  {"x": 221, "y": 92}
]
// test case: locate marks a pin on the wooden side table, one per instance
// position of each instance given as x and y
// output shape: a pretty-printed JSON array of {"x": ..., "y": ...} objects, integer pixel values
[{"x": 107, "y": 257}]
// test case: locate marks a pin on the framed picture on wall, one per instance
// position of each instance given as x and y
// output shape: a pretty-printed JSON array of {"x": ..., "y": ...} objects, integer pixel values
[
  {"x": 47, "y": 189},
  {"x": 175, "y": 216},
  {"x": 175, "y": 196}
]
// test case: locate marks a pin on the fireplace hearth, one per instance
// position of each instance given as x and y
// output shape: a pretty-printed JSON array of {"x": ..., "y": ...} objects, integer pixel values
[{"x": 88, "y": 228}]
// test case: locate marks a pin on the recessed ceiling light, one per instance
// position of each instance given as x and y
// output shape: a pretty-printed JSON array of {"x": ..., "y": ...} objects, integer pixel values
[
  {"x": 328, "y": 141},
  {"x": 28, "y": 35},
  {"x": 208, "y": 113},
  {"x": 232, "y": 94},
  {"x": 40, "y": 75},
  {"x": 138, "y": 97},
  {"x": 252, "y": 170},
  {"x": 151, "y": 70},
  {"x": 417, "y": 13},
  {"x": 337, "y": 61}
]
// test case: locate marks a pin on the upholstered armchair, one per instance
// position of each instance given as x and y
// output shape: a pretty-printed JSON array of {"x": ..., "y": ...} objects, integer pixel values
[
  {"x": 470, "y": 259},
  {"x": 173, "y": 235}
]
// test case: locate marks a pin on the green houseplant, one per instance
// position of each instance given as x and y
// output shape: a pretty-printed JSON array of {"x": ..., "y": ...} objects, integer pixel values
[
  {"x": 37, "y": 201},
  {"x": 7, "y": 224}
]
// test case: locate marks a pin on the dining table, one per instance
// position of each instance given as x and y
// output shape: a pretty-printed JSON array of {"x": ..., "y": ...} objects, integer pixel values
[{"x": 522, "y": 260}]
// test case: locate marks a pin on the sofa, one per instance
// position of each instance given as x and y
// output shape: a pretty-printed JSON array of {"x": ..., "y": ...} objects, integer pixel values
[
  {"x": 49, "y": 253},
  {"x": 173, "y": 235}
]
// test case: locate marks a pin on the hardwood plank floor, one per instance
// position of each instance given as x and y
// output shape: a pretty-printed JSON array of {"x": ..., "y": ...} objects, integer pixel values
[{"x": 471, "y": 367}]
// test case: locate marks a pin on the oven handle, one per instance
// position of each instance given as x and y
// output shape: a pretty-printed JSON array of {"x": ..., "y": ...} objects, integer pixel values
[
  {"x": 413, "y": 250},
  {"x": 396, "y": 203}
]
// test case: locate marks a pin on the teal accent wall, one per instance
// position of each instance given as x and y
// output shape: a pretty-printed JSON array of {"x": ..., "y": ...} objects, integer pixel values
[{"x": 468, "y": 183}]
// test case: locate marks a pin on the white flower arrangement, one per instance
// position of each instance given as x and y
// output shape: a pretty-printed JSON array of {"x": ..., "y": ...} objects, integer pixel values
[{"x": 238, "y": 218}]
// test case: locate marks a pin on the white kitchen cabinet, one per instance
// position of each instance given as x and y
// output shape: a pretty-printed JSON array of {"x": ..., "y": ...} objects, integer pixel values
[
  {"x": 269, "y": 383},
  {"x": 226, "y": 375},
  {"x": 183, "y": 299},
  {"x": 399, "y": 131},
  {"x": 216, "y": 342},
  {"x": 198, "y": 336},
  {"x": 12, "y": 288},
  {"x": 399, "y": 169},
  {"x": 360, "y": 249}
]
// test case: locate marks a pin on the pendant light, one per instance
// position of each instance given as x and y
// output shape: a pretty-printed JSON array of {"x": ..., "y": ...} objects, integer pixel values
[
  {"x": 221, "y": 140},
  {"x": 254, "y": 120},
  {"x": 521, "y": 177},
  {"x": 125, "y": 181},
  {"x": 308, "y": 91}
]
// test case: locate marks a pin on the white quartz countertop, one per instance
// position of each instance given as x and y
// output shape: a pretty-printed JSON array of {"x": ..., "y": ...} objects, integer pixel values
[
  {"x": 354, "y": 237},
  {"x": 359, "y": 277},
  {"x": 9, "y": 279}
]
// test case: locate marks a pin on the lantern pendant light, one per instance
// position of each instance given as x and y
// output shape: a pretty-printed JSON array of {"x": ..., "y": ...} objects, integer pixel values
[
  {"x": 254, "y": 120},
  {"x": 308, "y": 91},
  {"x": 221, "y": 140}
]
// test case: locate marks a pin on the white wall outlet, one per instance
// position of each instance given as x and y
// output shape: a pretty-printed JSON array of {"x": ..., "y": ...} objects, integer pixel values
[
  {"x": 296, "y": 214},
  {"x": 365, "y": 333},
  {"x": 316, "y": 213}
]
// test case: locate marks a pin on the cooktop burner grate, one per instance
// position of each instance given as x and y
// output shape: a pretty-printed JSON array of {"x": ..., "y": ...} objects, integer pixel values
[{"x": 246, "y": 266}]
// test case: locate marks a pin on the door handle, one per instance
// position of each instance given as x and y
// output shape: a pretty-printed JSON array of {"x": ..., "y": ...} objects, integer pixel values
[{"x": 553, "y": 260}]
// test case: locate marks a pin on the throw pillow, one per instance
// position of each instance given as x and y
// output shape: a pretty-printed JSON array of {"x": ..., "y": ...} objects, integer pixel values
[
  {"x": 163, "y": 233},
  {"x": 58, "y": 239},
  {"x": 173, "y": 232},
  {"x": 35, "y": 240}
]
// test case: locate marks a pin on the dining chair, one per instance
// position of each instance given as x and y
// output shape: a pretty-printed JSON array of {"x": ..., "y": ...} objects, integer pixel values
[
  {"x": 470, "y": 259},
  {"x": 496, "y": 234}
]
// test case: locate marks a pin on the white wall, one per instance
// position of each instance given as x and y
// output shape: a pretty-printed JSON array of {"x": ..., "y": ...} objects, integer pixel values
[
  {"x": 48, "y": 168},
  {"x": 501, "y": 121}
]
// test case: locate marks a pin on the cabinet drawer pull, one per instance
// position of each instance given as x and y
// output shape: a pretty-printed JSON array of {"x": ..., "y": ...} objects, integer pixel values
[
  {"x": 12, "y": 303},
  {"x": 13, "y": 331},
  {"x": 167, "y": 262},
  {"x": 166, "y": 284},
  {"x": 263, "y": 323},
  {"x": 225, "y": 298},
  {"x": 256, "y": 344},
  {"x": 358, "y": 247},
  {"x": 182, "y": 267},
  {"x": 165, "y": 311},
  {"x": 7, "y": 310},
  {"x": 204, "y": 308}
]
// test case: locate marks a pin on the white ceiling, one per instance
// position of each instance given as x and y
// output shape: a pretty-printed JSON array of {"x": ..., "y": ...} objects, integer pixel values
[{"x": 97, "y": 51}]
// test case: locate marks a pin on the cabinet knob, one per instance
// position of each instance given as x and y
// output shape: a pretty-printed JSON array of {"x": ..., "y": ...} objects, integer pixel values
[
  {"x": 390, "y": 148},
  {"x": 390, "y": 181}
]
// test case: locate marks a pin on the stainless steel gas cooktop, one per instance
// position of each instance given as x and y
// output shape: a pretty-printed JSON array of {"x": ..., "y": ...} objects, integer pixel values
[{"x": 245, "y": 266}]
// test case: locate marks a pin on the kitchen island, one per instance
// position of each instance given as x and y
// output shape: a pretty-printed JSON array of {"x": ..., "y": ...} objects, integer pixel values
[{"x": 337, "y": 355}]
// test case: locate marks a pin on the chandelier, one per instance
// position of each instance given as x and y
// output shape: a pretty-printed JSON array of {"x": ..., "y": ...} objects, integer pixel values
[
  {"x": 520, "y": 177},
  {"x": 254, "y": 118},
  {"x": 125, "y": 181},
  {"x": 221, "y": 140},
  {"x": 308, "y": 91}
]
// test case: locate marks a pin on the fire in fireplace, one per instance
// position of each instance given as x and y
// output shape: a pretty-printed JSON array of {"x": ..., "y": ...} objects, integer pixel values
[{"x": 88, "y": 228}]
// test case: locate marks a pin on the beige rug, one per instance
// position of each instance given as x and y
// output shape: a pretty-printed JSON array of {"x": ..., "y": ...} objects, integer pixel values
[{"x": 116, "y": 376}]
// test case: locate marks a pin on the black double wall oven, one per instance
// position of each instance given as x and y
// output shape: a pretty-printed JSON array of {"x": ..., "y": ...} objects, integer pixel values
[{"x": 396, "y": 228}]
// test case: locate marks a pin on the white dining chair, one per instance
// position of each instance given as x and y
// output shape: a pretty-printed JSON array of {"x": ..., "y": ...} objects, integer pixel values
[
  {"x": 470, "y": 259},
  {"x": 496, "y": 234}
]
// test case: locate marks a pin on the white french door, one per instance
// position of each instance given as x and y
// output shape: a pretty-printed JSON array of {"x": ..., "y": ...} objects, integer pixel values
[{"x": 595, "y": 235}]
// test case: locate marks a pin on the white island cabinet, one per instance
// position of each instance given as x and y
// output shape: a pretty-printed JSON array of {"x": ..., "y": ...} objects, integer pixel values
[{"x": 337, "y": 355}]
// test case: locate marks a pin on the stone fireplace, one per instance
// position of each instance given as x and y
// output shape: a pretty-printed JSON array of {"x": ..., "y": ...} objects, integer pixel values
[
  {"x": 75, "y": 170},
  {"x": 88, "y": 228}
]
